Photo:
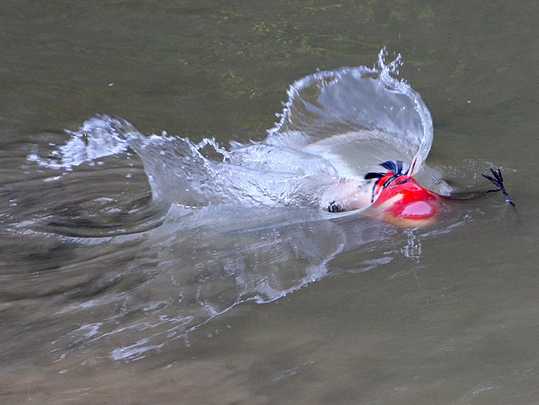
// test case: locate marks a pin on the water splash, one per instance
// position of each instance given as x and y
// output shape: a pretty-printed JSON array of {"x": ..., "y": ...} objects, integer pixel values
[
  {"x": 98, "y": 137},
  {"x": 225, "y": 238},
  {"x": 335, "y": 124}
]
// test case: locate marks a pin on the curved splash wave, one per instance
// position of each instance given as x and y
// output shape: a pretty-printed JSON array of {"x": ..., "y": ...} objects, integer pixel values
[
  {"x": 336, "y": 124},
  {"x": 356, "y": 118}
]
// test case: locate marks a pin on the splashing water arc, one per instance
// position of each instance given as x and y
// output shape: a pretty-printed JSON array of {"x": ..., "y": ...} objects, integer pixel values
[
  {"x": 223, "y": 237},
  {"x": 335, "y": 124},
  {"x": 361, "y": 108}
]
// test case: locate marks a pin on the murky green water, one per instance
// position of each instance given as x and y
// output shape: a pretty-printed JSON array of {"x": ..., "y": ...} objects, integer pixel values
[{"x": 446, "y": 315}]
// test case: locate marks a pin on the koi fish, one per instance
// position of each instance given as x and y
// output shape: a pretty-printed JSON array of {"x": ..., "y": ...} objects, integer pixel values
[{"x": 399, "y": 199}]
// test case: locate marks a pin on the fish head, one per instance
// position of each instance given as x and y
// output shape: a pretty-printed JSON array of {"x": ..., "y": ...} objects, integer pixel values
[{"x": 401, "y": 200}]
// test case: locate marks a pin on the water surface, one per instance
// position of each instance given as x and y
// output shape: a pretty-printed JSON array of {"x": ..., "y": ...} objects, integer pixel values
[{"x": 103, "y": 300}]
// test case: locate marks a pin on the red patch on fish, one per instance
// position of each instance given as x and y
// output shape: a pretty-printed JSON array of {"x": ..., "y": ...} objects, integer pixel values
[{"x": 404, "y": 202}]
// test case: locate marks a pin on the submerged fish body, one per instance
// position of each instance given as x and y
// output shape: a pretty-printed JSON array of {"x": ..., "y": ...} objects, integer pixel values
[{"x": 393, "y": 196}]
